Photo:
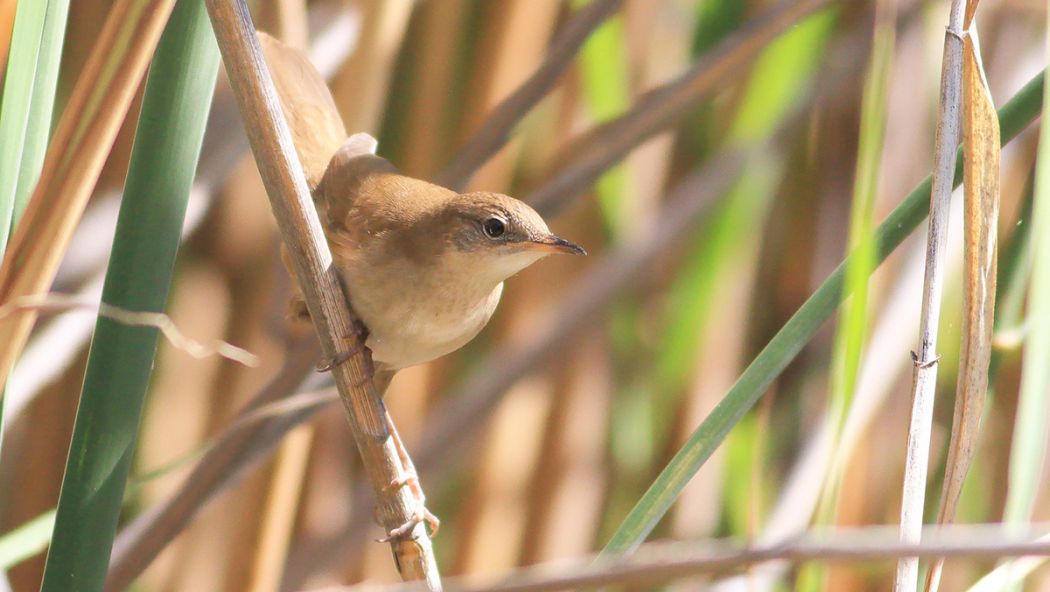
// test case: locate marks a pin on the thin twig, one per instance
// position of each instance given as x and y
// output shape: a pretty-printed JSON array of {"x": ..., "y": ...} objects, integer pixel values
[
  {"x": 585, "y": 159},
  {"x": 662, "y": 562},
  {"x": 495, "y": 131},
  {"x": 924, "y": 381},
  {"x": 271, "y": 142}
]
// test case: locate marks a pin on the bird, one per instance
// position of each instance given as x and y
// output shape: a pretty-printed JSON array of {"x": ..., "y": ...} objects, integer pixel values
[{"x": 422, "y": 266}]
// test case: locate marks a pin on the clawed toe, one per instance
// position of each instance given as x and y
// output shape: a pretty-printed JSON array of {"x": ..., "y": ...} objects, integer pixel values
[
  {"x": 402, "y": 532},
  {"x": 404, "y": 480},
  {"x": 433, "y": 521},
  {"x": 343, "y": 357},
  {"x": 361, "y": 333},
  {"x": 340, "y": 359}
]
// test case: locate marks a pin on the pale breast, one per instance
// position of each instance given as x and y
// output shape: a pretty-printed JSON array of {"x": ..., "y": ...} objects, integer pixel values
[{"x": 417, "y": 324}]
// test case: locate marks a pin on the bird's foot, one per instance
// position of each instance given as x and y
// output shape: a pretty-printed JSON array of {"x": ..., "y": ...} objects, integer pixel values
[
  {"x": 358, "y": 340},
  {"x": 422, "y": 513},
  {"x": 402, "y": 532}
]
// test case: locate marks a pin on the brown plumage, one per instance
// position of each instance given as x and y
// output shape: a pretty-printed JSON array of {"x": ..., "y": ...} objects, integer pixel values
[{"x": 423, "y": 266}]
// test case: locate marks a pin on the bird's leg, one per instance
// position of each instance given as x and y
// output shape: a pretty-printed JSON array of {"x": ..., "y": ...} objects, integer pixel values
[
  {"x": 361, "y": 334},
  {"x": 411, "y": 479}
]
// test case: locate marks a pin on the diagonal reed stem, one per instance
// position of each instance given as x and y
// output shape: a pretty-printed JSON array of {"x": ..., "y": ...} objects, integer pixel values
[{"x": 271, "y": 143}]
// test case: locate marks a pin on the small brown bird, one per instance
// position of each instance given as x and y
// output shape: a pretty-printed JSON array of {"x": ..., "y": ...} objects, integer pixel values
[{"x": 423, "y": 266}]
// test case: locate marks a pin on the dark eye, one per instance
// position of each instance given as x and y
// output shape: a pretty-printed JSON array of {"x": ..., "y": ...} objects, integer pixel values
[{"x": 494, "y": 227}]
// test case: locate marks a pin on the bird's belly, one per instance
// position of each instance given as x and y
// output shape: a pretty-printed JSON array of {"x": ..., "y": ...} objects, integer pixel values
[{"x": 409, "y": 328}]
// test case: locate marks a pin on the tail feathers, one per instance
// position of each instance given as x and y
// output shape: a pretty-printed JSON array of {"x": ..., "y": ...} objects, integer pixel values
[{"x": 317, "y": 129}]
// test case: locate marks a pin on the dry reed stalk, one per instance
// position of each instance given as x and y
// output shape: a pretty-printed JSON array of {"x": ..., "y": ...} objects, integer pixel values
[
  {"x": 661, "y": 562},
  {"x": 568, "y": 488},
  {"x": 273, "y": 532},
  {"x": 282, "y": 508},
  {"x": 981, "y": 182},
  {"x": 924, "y": 378},
  {"x": 270, "y": 139},
  {"x": 515, "y": 36}
]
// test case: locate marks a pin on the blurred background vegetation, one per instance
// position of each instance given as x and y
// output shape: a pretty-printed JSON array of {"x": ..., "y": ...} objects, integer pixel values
[{"x": 770, "y": 147}]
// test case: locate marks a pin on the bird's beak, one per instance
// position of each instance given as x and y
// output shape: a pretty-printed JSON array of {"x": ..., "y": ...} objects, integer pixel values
[{"x": 553, "y": 244}]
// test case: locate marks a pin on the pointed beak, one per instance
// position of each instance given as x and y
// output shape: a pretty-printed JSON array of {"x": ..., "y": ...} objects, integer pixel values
[{"x": 553, "y": 244}]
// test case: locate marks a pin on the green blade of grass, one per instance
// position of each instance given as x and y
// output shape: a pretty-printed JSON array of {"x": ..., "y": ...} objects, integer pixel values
[
  {"x": 14, "y": 110},
  {"x": 1023, "y": 108},
  {"x": 164, "y": 158},
  {"x": 29, "y": 98},
  {"x": 1028, "y": 448},
  {"x": 42, "y": 104}
]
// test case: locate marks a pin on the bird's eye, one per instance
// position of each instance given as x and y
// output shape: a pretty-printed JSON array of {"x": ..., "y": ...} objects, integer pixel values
[{"x": 494, "y": 227}]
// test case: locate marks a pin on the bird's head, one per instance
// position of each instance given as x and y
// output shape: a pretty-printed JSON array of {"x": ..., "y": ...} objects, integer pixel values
[{"x": 500, "y": 234}]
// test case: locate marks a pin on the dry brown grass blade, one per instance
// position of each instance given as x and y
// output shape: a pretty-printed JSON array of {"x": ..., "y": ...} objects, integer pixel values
[
  {"x": 271, "y": 143},
  {"x": 585, "y": 159},
  {"x": 495, "y": 132},
  {"x": 981, "y": 181},
  {"x": 78, "y": 149}
]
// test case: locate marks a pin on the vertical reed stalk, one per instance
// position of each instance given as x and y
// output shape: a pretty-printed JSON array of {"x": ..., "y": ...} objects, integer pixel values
[{"x": 924, "y": 378}]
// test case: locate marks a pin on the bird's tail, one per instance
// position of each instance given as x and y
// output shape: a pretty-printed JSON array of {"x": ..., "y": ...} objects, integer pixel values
[{"x": 317, "y": 129}]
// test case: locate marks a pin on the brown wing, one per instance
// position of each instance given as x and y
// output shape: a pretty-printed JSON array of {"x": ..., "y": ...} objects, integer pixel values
[{"x": 317, "y": 129}]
